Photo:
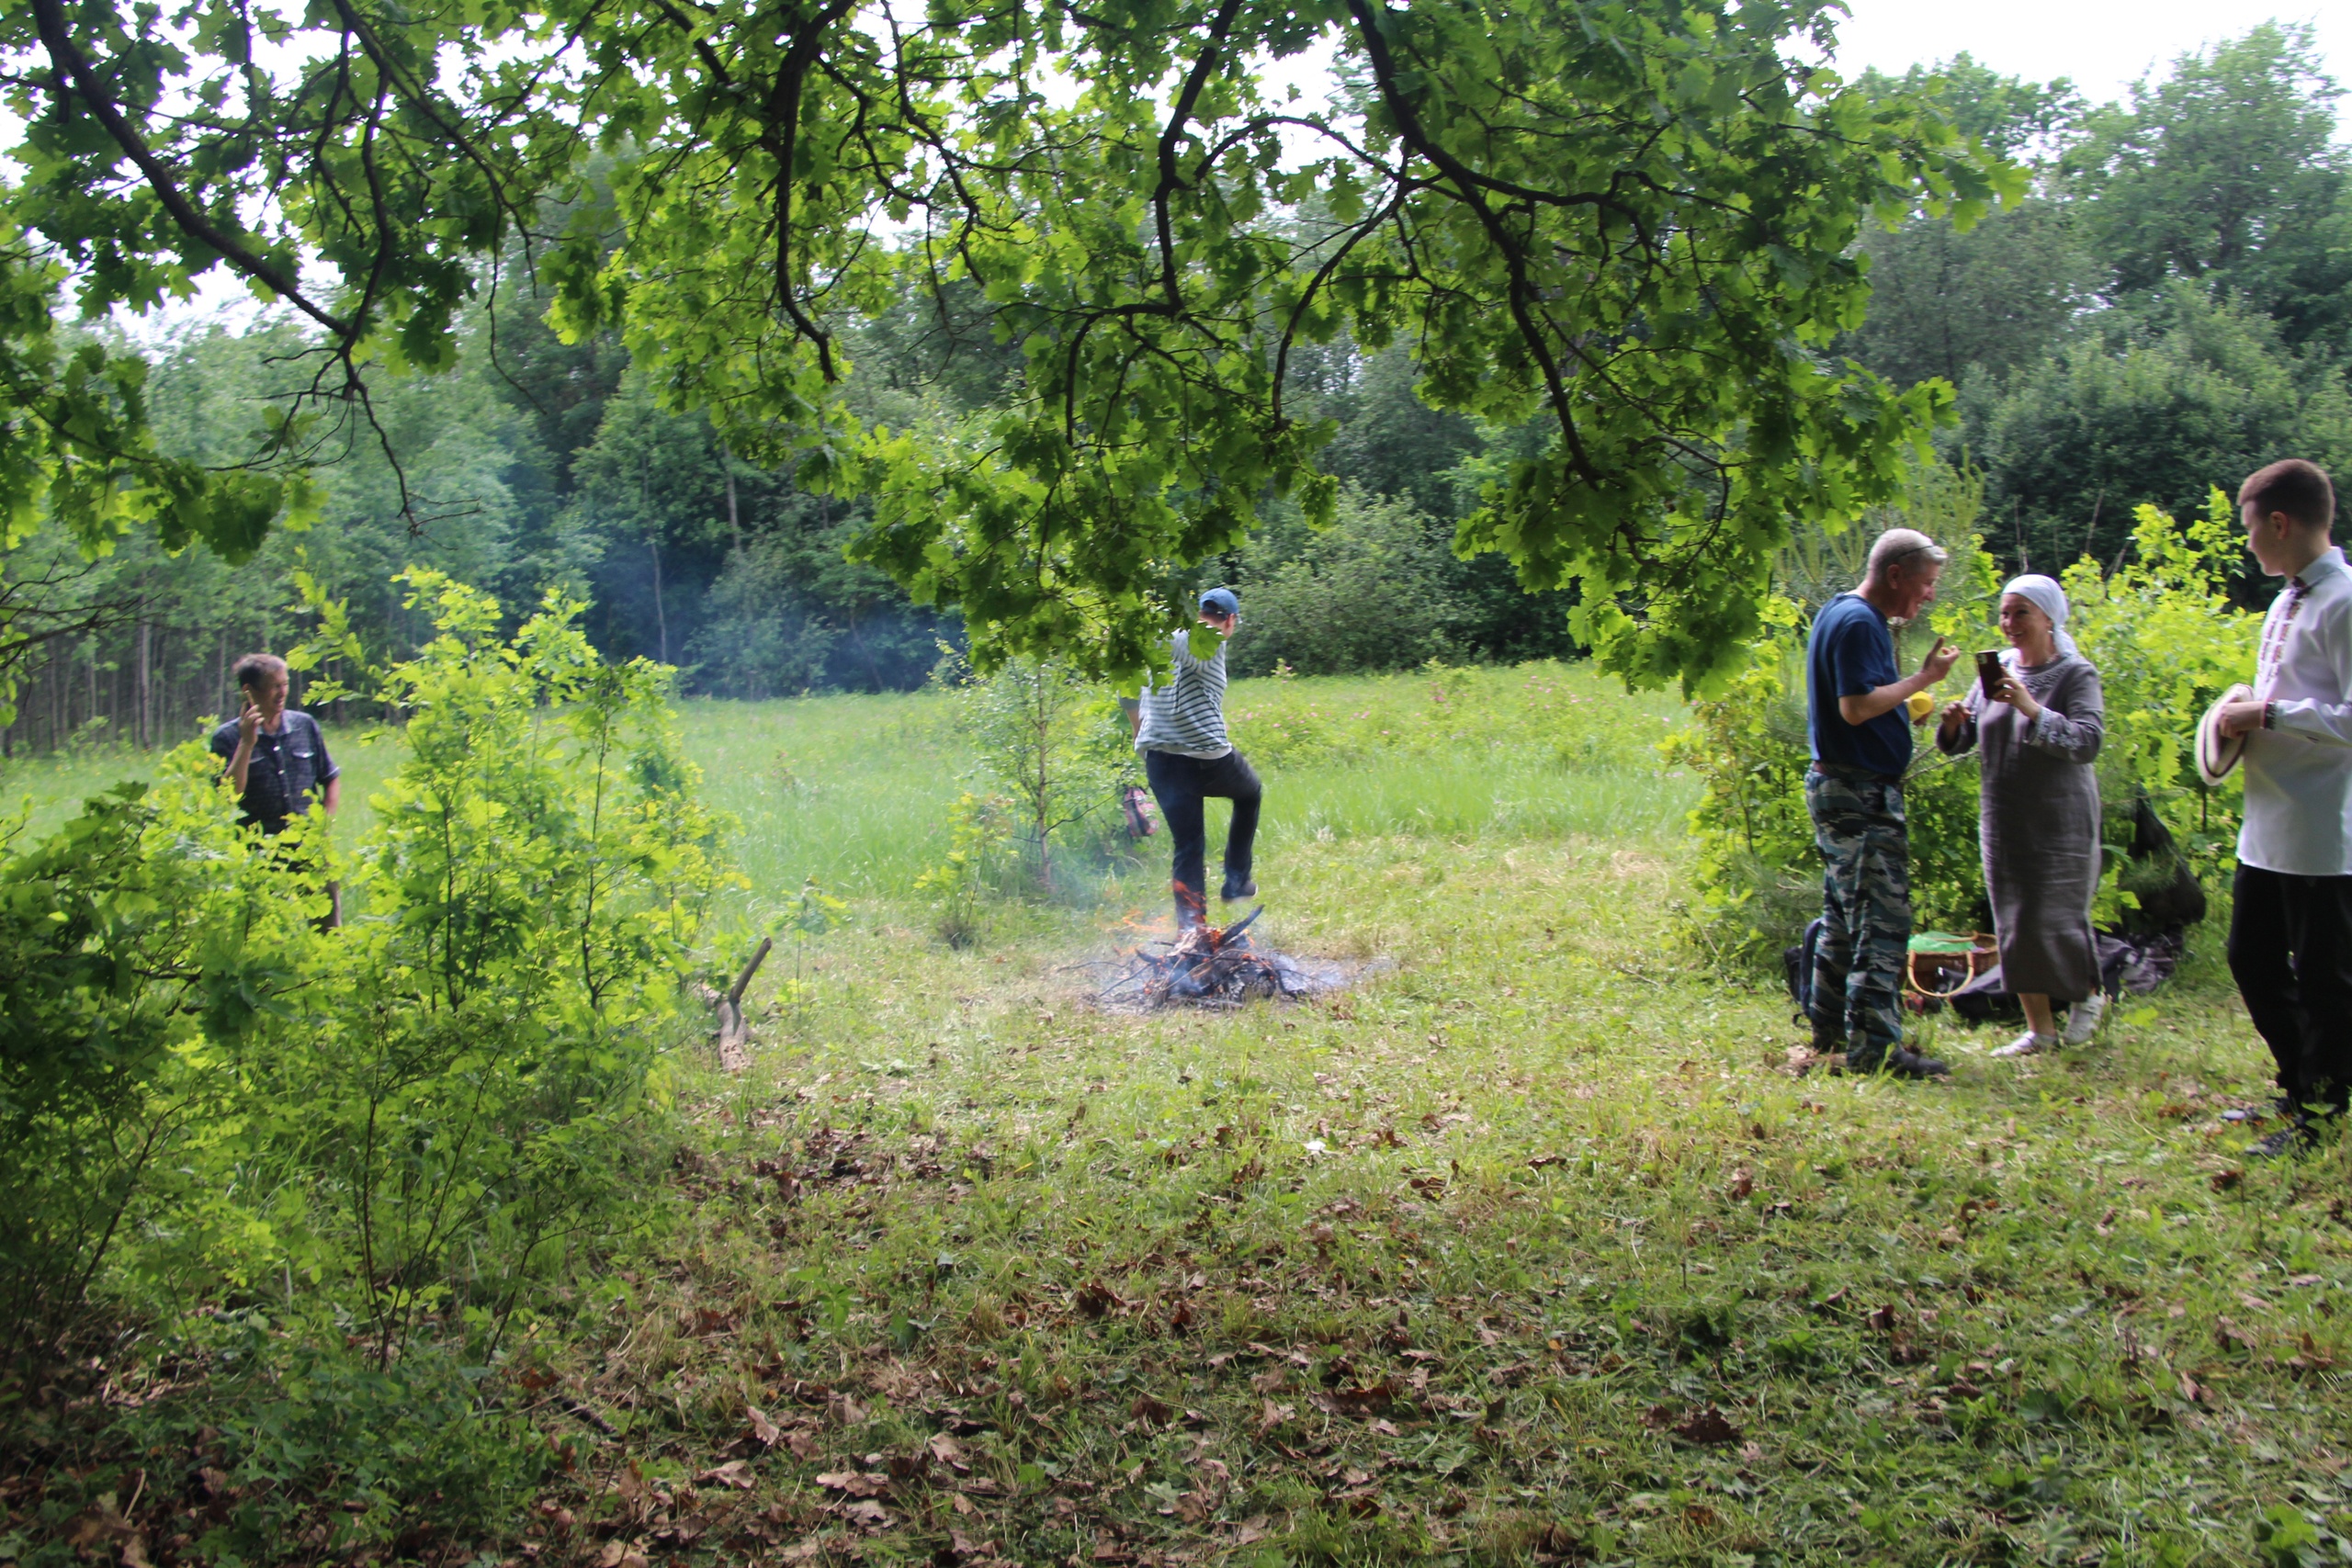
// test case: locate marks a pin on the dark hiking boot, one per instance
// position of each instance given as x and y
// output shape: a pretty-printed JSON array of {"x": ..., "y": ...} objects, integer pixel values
[
  {"x": 1904, "y": 1063},
  {"x": 2285, "y": 1143},
  {"x": 1242, "y": 886}
]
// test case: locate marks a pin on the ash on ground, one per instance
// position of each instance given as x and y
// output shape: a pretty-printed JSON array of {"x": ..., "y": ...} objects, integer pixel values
[{"x": 1216, "y": 966}]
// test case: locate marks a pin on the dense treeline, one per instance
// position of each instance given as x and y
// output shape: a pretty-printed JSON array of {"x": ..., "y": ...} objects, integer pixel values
[{"x": 2170, "y": 306}]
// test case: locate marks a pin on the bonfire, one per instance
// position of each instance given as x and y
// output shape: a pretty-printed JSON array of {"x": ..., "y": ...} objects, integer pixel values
[{"x": 1212, "y": 966}]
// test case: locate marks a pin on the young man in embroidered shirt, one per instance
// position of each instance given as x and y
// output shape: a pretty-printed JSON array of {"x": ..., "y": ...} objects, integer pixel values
[
  {"x": 1856, "y": 710},
  {"x": 1179, "y": 729},
  {"x": 2290, "y": 929}
]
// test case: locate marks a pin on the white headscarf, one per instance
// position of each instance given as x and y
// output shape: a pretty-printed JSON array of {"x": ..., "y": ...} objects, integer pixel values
[{"x": 2046, "y": 597}]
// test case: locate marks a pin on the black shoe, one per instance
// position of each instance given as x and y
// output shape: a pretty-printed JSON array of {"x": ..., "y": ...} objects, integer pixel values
[
  {"x": 1904, "y": 1063},
  {"x": 1241, "y": 887},
  {"x": 2284, "y": 1143}
]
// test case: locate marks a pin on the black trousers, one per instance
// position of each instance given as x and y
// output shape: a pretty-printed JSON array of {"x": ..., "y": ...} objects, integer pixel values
[
  {"x": 2291, "y": 951},
  {"x": 1181, "y": 785}
]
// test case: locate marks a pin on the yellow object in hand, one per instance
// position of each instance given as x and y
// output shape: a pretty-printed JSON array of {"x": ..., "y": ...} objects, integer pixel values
[{"x": 1920, "y": 704}]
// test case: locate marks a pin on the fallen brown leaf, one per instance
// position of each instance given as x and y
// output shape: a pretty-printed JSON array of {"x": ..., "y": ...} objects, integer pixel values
[
  {"x": 735, "y": 1472},
  {"x": 105, "y": 1526},
  {"x": 950, "y": 1452},
  {"x": 1706, "y": 1427},
  {"x": 765, "y": 1432},
  {"x": 855, "y": 1482},
  {"x": 1368, "y": 1400}
]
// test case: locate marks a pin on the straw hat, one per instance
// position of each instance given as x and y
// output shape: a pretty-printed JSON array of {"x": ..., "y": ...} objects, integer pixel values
[{"x": 2218, "y": 753}]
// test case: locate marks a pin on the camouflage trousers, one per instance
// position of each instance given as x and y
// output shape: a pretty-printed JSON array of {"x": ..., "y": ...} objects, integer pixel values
[{"x": 1865, "y": 938}]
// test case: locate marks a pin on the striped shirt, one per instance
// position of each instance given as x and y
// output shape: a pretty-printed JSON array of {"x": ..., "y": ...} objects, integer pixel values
[{"x": 1186, "y": 717}]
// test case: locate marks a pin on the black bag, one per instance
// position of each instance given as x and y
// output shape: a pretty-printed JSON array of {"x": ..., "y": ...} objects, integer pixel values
[
  {"x": 2126, "y": 962},
  {"x": 1797, "y": 962}
]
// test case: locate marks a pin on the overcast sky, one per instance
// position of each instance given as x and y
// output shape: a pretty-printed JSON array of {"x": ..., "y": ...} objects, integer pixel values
[{"x": 2103, "y": 45}]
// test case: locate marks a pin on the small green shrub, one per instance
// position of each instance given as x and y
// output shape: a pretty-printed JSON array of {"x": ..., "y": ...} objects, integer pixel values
[
  {"x": 392, "y": 1451},
  {"x": 980, "y": 843},
  {"x": 1052, "y": 746}
]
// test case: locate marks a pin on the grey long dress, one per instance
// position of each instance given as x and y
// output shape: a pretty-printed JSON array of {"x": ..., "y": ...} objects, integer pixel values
[{"x": 2039, "y": 825}]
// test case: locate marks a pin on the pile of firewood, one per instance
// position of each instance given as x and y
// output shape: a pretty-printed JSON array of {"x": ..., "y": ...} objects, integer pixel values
[{"x": 1210, "y": 967}]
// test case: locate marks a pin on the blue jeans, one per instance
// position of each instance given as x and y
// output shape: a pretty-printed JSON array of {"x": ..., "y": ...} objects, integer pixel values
[{"x": 1181, "y": 785}]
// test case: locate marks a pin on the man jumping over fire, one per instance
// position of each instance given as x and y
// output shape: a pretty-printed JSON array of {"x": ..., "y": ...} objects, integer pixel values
[{"x": 1179, "y": 729}]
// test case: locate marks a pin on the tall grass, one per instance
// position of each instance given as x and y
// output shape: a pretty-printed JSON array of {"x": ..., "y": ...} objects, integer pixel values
[
  {"x": 51, "y": 790},
  {"x": 853, "y": 791}
]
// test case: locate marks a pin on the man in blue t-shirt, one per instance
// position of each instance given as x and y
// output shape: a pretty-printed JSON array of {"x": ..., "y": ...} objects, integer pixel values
[{"x": 1856, "y": 698}]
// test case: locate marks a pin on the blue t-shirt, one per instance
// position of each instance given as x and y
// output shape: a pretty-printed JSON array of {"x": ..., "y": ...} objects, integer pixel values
[{"x": 1851, "y": 654}]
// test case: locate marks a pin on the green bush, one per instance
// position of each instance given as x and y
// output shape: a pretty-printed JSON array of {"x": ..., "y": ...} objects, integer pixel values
[
  {"x": 386, "y": 1139},
  {"x": 2161, "y": 630},
  {"x": 1372, "y": 592},
  {"x": 388, "y": 1449}
]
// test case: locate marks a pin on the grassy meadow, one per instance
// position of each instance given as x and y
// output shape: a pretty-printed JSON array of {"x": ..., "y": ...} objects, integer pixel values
[{"x": 1529, "y": 1247}]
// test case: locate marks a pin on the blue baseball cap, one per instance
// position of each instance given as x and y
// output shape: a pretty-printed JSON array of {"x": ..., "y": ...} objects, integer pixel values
[{"x": 1222, "y": 601}]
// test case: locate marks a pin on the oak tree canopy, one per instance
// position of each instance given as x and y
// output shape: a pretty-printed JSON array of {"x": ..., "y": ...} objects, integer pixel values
[{"x": 1631, "y": 222}]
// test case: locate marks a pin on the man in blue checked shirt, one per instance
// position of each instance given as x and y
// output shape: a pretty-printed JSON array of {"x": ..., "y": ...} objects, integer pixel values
[{"x": 276, "y": 757}]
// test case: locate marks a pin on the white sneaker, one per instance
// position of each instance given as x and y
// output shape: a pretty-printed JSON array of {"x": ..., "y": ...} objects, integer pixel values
[
  {"x": 2029, "y": 1045},
  {"x": 2082, "y": 1019}
]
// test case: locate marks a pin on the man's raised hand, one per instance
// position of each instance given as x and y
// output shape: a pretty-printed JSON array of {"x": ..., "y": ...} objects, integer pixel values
[
  {"x": 1939, "y": 660},
  {"x": 248, "y": 723}
]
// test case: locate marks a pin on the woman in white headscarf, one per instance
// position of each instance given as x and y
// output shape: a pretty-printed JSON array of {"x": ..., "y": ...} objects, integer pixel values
[{"x": 2040, "y": 729}]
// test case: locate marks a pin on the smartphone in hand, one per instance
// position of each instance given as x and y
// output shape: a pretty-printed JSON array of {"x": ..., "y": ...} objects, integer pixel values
[{"x": 1989, "y": 672}]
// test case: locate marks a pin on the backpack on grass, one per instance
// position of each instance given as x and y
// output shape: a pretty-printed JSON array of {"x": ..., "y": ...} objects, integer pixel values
[{"x": 1797, "y": 962}]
